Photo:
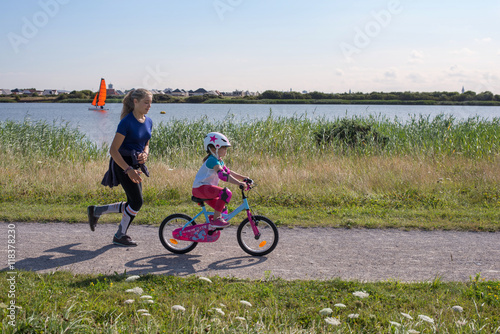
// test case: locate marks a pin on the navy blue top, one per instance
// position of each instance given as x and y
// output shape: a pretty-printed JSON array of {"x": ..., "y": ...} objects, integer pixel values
[{"x": 136, "y": 134}]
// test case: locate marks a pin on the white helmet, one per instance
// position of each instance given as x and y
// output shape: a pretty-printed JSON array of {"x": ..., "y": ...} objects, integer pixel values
[{"x": 217, "y": 139}]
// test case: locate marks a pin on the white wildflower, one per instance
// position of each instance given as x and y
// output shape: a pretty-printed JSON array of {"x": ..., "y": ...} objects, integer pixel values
[
  {"x": 412, "y": 331},
  {"x": 132, "y": 278},
  {"x": 142, "y": 311},
  {"x": 393, "y": 323},
  {"x": 244, "y": 302},
  {"x": 332, "y": 321},
  {"x": 326, "y": 311},
  {"x": 353, "y": 316},
  {"x": 149, "y": 301},
  {"x": 205, "y": 279},
  {"x": 462, "y": 322},
  {"x": 146, "y": 314},
  {"x": 457, "y": 308},
  {"x": 340, "y": 305},
  {"x": 426, "y": 318},
  {"x": 407, "y": 316},
  {"x": 218, "y": 310},
  {"x": 129, "y": 301},
  {"x": 178, "y": 308},
  {"x": 135, "y": 290},
  {"x": 361, "y": 294},
  {"x": 222, "y": 305},
  {"x": 146, "y": 297},
  {"x": 241, "y": 319}
]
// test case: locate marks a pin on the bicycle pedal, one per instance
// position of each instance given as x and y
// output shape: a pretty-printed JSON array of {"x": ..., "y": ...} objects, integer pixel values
[{"x": 212, "y": 230}]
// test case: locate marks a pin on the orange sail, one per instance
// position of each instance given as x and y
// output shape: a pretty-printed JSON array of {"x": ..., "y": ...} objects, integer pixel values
[{"x": 100, "y": 97}]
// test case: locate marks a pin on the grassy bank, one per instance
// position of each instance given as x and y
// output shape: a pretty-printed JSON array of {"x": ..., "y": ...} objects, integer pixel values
[
  {"x": 429, "y": 174},
  {"x": 62, "y": 302}
]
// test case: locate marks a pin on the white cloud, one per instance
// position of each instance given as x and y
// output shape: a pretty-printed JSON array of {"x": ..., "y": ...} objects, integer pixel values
[
  {"x": 390, "y": 74},
  {"x": 484, "y": 40},
  {"x": 464, "y": 52},
  {"x": 416, "y": 77},
  {"x": 455, "y": 71},
  {"x": 339, "y": 72},
  {"x": 416, "y": 57}
]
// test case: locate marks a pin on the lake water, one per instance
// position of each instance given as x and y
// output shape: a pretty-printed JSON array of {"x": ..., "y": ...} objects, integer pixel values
[{"x": 100, "y": 127}]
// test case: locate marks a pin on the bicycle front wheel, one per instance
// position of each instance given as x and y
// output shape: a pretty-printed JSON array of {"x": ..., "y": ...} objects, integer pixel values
[
  {"x": 264, "y": 243},
  {"x": 168, "y": 225}
]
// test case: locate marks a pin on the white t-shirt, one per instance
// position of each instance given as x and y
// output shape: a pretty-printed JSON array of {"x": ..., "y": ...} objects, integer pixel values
[{"x": 206, "y": 174}]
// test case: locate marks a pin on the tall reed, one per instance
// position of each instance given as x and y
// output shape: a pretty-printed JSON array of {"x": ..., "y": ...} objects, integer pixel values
[
  {"x": 289, "y": 137},
  {"x": 35, "y": 139}
]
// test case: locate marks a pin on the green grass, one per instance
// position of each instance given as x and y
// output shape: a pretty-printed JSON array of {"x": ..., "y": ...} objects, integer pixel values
[
  {"x": 61, "y": 302},
  {"x": 477, "y": 219}
]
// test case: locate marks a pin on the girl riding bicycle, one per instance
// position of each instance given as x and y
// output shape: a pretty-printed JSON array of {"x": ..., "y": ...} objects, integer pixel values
[{"x": 206, "y": 182}]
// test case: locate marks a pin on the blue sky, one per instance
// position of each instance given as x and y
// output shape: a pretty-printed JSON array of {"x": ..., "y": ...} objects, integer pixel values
[{"x": 328, "y": 46}]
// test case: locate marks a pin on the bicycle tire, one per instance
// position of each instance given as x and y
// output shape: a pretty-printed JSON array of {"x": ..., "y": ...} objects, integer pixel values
[
  {"x": 265, "y": 243},
  {"x": 169, "y": 224}
]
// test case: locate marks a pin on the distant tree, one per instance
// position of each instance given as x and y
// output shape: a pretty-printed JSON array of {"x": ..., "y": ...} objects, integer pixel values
[
  {"x": 485, "y": 96},
  {"x": 317, "y": 95},
  {"x": 271, "y": 94},
  {"x": 469, "y": 96}
]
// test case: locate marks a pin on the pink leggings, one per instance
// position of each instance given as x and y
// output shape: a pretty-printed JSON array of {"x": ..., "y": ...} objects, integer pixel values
[{"x": 211, "y": 194}]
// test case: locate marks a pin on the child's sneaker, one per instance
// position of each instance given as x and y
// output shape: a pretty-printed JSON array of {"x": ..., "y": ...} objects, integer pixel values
[{"x": 219, "y": 222}]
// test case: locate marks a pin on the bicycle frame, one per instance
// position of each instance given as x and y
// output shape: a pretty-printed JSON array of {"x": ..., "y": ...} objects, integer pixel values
[{"x": 228, "y": 216}]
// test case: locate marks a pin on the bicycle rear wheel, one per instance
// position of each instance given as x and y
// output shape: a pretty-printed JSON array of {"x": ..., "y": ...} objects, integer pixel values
[
  {"x": 168, "y": 225},
  {"x": 259, "y": 245}
]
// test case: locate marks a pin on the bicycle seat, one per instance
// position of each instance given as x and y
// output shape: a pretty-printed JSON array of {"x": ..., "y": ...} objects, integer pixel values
[{"x": 198, "y": 200}]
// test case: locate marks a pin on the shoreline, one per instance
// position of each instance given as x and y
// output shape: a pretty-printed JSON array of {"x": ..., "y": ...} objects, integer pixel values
[{"x": 280, "y": 101}]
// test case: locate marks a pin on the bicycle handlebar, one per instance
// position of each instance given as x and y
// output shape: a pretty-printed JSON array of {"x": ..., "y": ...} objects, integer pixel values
[{"x": 249, "y": 183}]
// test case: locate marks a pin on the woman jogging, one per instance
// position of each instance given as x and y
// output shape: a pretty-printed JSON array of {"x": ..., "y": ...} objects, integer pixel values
[{"x": 129, "y": 153}]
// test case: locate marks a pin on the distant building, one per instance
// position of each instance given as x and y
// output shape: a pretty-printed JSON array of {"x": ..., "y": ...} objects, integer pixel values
[
  {"x": 49, "y": 92},
  {"x": 179, "y": 92},
  {"x": 463, "y": 89},
  {"x": 5, "y": 92},
  {"x": 234, "y": 93},
  {"x": 198, "y": 92},
  {"x": 111, "y": 91}
]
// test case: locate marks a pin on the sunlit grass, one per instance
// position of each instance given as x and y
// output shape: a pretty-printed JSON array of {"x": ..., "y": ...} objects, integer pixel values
[{"x": 61, "y": 301}]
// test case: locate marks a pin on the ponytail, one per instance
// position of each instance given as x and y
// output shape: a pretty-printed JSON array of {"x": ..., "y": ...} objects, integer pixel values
[
  {"x": 209, "y": 152},
  {"x": 128, "y": 100}
]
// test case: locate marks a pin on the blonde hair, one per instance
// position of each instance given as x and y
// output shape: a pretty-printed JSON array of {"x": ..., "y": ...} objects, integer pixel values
[{"x": 128, "y": 100}]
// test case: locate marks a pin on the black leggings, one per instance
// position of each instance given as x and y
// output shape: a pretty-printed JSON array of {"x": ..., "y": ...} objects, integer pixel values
[{"x": 132, "y": 190}]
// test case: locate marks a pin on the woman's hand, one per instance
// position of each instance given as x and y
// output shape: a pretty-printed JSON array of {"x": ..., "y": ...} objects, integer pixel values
[
  {"x": 135, "y": 175},
  {"x": 142, "y": 157}
]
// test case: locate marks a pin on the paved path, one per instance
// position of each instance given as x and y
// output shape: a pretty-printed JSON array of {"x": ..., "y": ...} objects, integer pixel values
[{"x": 302, "y": 253}]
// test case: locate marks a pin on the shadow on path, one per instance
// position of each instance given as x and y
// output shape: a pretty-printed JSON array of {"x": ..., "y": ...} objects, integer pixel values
[
  {"x": 45, "y": 262},
  {"x": 183, "y": 265}
]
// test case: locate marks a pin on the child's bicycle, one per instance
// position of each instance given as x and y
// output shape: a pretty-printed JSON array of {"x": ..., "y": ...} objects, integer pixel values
[{"x": 180, "y": 234}]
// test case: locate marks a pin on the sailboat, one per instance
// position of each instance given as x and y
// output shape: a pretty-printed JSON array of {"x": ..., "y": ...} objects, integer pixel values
[{"x": 100, "y": 98}]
